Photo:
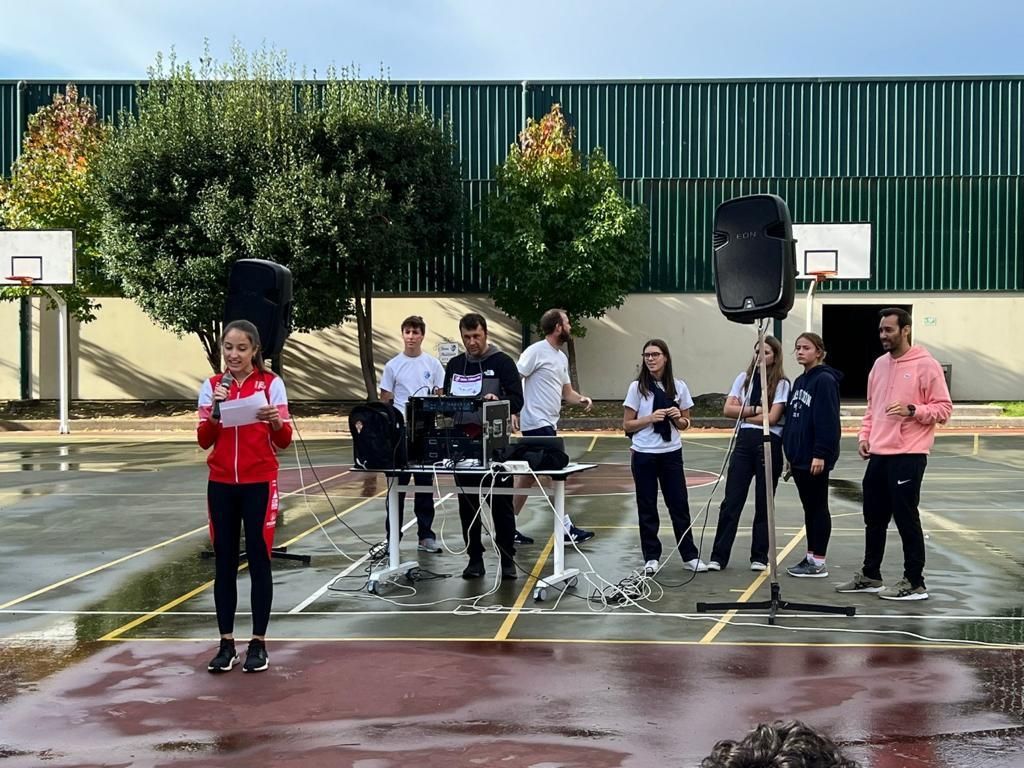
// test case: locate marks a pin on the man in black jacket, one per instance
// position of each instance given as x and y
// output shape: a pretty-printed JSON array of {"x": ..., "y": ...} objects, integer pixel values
[{"x": 485, "y": 371}]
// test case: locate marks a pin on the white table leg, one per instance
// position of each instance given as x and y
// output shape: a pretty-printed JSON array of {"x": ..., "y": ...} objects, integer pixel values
[
  {"x": 394, "y": 539},
  {"x": 569, "y": 576}
]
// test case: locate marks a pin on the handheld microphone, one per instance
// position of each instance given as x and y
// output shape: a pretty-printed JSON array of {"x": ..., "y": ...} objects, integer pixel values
[{"x": 225, "y": 381}]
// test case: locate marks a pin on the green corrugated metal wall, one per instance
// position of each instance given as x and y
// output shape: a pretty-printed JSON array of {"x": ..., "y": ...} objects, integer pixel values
[{"x": 934, "y": 164}]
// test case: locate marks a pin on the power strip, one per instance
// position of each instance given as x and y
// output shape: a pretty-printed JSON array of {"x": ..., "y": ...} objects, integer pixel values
[{"x": 521, "y": 467}]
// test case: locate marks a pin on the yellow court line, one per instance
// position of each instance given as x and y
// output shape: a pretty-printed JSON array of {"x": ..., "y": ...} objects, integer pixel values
[
  {"x": 98, "y": 568},
  {"x": 114, "y": 634},
  {"x": 714, "y": 631},
  {"x": 118, "y": 561},
  {"x": 506, "y": 626},
  {"x": 593, "y": 442}
]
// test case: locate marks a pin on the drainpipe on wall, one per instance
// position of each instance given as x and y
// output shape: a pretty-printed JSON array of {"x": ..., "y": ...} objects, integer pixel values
[
  {"x": 25, "y": 304},
  {"x": 525, "y": 340}
]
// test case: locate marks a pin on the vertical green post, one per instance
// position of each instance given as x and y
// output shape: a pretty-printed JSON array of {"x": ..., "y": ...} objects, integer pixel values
[{"x": 25, "y": 308}]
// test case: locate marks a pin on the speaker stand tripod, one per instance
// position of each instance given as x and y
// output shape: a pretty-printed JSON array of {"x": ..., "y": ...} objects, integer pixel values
[
  {"x": 277, "y": 553},
  {"x": 775, "y": 603}
]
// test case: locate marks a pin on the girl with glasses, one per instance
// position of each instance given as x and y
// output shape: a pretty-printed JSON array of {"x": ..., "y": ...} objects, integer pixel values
[{"x": 656, "y": 410}]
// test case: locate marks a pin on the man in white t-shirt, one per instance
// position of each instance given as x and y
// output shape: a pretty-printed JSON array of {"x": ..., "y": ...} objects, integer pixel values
[
  {"x": 545, "y": 371},
  {"x": 411, "y": 373}
]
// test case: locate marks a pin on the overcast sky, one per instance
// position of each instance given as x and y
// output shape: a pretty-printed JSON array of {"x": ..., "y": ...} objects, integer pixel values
[{"x": 523, "y": 39}]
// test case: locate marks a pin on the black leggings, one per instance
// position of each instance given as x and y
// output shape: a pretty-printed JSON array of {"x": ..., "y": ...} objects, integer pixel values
[
  {"x": 813, "y": 490},
  {"x": 229, "y": 506}
]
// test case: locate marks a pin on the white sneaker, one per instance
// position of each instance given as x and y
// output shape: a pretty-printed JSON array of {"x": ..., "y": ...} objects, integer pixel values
[
  {"x": 714, "y": 566},
  {"x": 756, "y": 566},
  {"x": 651, "y": 567},
  {"x": 696, "y": 564}
]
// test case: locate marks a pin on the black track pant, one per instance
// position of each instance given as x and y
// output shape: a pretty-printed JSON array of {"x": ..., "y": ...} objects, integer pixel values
[
  {"x": 423, "y": 505},
  {"x": 813, "y": 490},
  {"x": 230, "y": 506},
  {"x": 504, "y": 529},
  {"x": 892, "y": 491},
  {"x": 746, "y": 464},
  {"x": 651, "y": 470}
]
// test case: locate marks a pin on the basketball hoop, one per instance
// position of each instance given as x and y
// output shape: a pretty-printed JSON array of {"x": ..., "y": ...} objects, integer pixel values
[
  {"x": 822, "y": 276},
  {"x": 25, "y": 280}
]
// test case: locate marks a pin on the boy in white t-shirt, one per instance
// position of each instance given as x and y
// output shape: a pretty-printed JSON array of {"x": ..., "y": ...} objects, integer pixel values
[
  {"x": 545, "y": 371},
  {"x": 411, "y": 373}
]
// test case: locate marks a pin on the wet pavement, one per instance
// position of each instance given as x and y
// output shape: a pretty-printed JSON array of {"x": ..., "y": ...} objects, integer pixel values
[{"x": 106, "y": 622}]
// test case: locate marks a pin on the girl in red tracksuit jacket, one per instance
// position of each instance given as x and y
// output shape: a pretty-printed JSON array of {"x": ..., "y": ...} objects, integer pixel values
[{"x": 242, "y": 489}]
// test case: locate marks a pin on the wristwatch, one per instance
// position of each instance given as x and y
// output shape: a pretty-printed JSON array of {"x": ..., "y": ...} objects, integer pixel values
[{"x": 912, "y": 409}]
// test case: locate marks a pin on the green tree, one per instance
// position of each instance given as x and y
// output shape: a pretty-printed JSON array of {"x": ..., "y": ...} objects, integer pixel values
[
  {"x": 558, "y": 233},
  {"x": 177, "y": 183},
  {"x": 49, "y": 189},
  {"x": 371, "y": 194}
]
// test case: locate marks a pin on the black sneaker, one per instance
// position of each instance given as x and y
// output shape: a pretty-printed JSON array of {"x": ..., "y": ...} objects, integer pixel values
[
  {"x": 474, "y": 570},
  {"x": 578, "y": 535},
  {"x": 256, "y": 659},
  {"x": 509, "y": 572},
  {"x": 226, "y": 657},
  {"x": 522, "y": 538}
]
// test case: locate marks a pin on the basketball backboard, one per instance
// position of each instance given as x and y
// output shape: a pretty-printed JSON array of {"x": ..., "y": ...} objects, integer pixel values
[
  {"x": 844, "y": 250},
  {"x": 45, "y": 255}
]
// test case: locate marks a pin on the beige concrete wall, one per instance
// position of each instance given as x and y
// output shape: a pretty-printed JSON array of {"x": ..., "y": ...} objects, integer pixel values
[
  {"x": 122, "y": 355},
  {"x": 10, "y": 352}
]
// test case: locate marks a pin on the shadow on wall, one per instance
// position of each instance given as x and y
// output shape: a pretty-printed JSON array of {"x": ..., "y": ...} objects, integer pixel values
[
  {"x": 998, "y": 377},
  {"x": 137, "y": 379},
  {"x": 326, "y": 366}
]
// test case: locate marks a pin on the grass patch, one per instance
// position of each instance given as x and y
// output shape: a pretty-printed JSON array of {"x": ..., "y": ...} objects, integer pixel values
[{"x": 1012, "y": 408}]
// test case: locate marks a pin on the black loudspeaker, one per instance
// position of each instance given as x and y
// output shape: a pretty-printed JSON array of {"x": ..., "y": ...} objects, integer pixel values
[
  {"x": 261, "y": 292},
  {"x": 755, "y": 258}
]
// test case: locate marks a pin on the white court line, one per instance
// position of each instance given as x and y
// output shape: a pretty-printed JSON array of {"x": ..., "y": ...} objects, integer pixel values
[
  {"x": 499, "y": 609},
  {"x": 320, "y": 592}
]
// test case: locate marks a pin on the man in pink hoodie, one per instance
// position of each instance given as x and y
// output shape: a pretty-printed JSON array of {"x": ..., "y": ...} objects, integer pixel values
[{"x": 907, "y": 397}]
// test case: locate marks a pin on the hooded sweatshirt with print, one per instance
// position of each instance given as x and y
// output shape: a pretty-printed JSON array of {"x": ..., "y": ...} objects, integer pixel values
[
  {"x": 915, "y": 379},
  {"x": 812, "y": 418}
]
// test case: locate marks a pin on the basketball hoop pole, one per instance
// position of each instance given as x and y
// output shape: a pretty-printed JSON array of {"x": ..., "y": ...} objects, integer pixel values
[
  {"x": 819, "y": 277},
  {"x": 63, "y": 426}
]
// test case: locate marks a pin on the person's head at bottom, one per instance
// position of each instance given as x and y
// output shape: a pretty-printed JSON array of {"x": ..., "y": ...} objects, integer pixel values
[{"x": 779, "y": 745}]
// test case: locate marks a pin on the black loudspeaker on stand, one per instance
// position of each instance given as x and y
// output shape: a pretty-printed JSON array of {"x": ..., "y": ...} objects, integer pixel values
[
  {"x": 755, "y": 278},
  {"x": 261, "y": 292},
  {"x": 755, "y": 258}
]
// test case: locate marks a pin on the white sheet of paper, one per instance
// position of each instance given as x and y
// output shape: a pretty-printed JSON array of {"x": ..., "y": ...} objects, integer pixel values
[{"x": 244, "y": 410}]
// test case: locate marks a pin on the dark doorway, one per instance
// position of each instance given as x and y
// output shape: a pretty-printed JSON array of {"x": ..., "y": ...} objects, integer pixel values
[{"x": 851, "y": 336}]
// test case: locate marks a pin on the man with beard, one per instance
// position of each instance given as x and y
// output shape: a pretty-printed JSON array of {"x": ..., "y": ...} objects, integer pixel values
[
  {"x": 907, "y": 397},
  {"x": 545, "y": 371},
  {"x": 486, "y": 372}
]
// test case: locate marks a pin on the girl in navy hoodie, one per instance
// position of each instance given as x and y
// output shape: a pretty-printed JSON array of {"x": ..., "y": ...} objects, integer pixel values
[{"x": 810, "y": 439}]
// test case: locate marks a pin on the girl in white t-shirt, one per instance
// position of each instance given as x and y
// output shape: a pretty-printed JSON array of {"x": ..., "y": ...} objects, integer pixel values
[
  {"x": 747, "y": 460},
  {"x": 656, "y": 409}
]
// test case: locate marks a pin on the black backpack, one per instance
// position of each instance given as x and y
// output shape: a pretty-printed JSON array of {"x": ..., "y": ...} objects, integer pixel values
[{"x": 378, "y": 436}]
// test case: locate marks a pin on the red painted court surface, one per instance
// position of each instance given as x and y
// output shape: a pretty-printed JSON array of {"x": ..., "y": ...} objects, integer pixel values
[{"x": 106, "y": 624}]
